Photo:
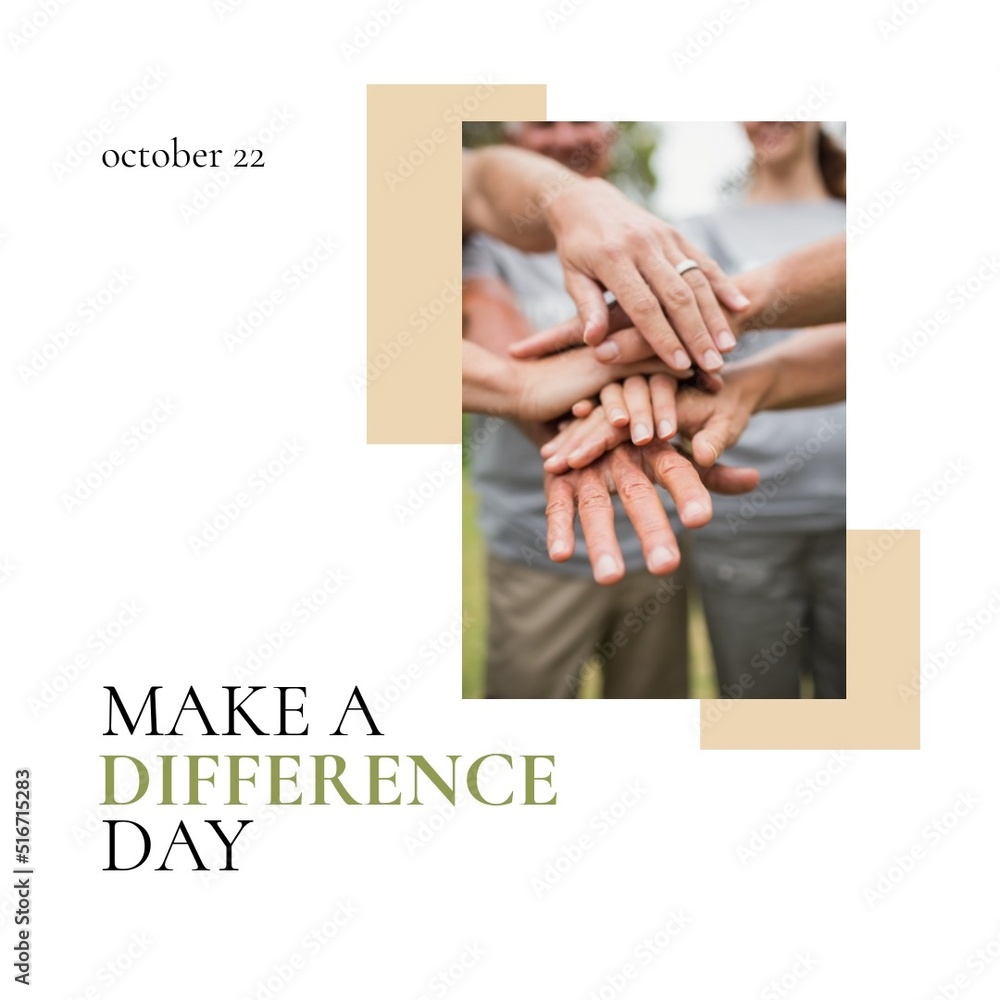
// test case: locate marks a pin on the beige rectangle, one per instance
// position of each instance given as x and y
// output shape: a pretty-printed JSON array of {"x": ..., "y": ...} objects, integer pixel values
[
  {"x": 882, "y": 708},
  {"x": 414, "y": 250}
]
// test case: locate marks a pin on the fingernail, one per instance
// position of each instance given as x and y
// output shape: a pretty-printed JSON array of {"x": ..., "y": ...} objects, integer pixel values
[
  {"x": 740, "y": 301},
  {"x": 712, "y": 360},
  {"x": 725, "y": 340},
  {"x": 607, "y": 351},
  {"x": 589, "y": 333},
  {"x": 618, "y": 417},
  {"x": 641, "y": 434},
  {"x": 559, "y": 548},
  {"x": 661, "y": 558},
  {"x": 695, "y": 509},
  {"x": 680, "y": 360},
  {"x": 664, "y": 428},
  {"x": 606, "y": 567}
]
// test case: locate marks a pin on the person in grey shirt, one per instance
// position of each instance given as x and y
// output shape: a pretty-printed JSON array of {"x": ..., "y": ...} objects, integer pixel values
[
  {"x": 771, "y": 565},
  {"x": 549, "y": 622}
]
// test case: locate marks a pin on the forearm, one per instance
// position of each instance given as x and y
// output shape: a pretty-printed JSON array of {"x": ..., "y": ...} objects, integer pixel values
[
  {"x": 805, "y": 288},
  {"x": 505, "y": 192},
  {"x": 809, "y": 369},
  {"x": 489, "y": 383}
]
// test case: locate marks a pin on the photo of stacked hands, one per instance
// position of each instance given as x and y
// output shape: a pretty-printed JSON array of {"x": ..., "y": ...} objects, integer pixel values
[{"x": 644, "y": 388}]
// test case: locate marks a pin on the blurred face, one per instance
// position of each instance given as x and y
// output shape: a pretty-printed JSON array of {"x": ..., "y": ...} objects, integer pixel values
[
  {"x": 585, "y": 147},
  {"x": 778, "y": 144}
]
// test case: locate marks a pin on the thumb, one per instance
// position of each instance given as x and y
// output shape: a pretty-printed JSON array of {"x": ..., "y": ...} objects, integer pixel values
[
  {"x": 590, "y": 305},
  {"x": 711, "y": 441}
]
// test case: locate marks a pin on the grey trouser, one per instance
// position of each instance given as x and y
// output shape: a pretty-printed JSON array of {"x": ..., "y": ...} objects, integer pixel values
[
  {"x": 776, "y": 609},
  {"x": 546, "y": 628}
]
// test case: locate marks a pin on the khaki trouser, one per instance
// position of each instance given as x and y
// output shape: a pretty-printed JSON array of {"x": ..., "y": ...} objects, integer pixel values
[{"x": 546, "y": 629}]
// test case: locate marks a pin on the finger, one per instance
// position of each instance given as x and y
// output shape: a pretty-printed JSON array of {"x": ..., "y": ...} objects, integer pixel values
[
  {"x": 711, "y": 311},
  {"x": 557, "y": 450},
  {"x": 590, "y": 305},
  {"x": 643, "y": 305},
  {"x": 584, "y": 408},
  {"x": 645, "y": 510},
  {"x": 631, "y": 347},
  {"x": 598, "y": 520},
  {"x": 725, "y": 288},
  {"x": 708, "y": 444},
  {"x": 680, "y": 478},
  {"x": 663, "y": 394},
  {"x": 640, "y": 409},
  {"x": 730, "y": 480},
  {"x": 683, "y": 311},
  {"x": 559, "y": 515},
  {"x": 593, "y": 442},
  {"x": 555, "y": 338},
  {"x": 613, "y": 402}
]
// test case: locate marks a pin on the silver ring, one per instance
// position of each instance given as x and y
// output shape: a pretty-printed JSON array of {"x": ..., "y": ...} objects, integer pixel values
[{"x": 685, "y": 265}]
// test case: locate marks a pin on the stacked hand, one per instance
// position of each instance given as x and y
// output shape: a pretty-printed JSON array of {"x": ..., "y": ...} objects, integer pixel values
[{"x": 631, "y": 473}]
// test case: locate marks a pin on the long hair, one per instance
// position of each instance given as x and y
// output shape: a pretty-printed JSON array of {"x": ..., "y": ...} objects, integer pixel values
[{"x": 832, "y": 165}]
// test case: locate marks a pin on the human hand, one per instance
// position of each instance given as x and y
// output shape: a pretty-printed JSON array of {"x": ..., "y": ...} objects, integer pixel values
[
  {"x": 632, "y": 473},
  {"x": 605, "y": 241},
  {"x": 548, "y": 387}
]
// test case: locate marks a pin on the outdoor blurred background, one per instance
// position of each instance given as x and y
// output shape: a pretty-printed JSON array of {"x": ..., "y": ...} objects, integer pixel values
[{"x": 676, "y": 170}]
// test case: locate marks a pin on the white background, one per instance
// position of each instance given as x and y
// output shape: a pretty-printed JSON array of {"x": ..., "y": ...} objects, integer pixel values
[{"x": 676, "y": 849}]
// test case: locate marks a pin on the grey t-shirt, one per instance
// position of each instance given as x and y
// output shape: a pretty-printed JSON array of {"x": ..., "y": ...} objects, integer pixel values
[
  {"x": 800, "y": 453},
  {"x": 507, "y": 468}
]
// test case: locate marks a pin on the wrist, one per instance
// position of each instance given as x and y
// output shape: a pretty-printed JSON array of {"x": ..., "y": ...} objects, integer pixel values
[
  {"x": 560, "y": 208},
  {"x": 752, "y": 383}
]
